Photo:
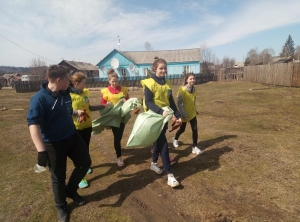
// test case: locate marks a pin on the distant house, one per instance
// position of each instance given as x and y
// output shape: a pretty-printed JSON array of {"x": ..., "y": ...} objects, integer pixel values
[
  {"x": 87, "y": 68},
  {"x": 11, "y": 77},
  {"x": 138, "y": 63},
  {"x": 282, "y": 60},
  {"x": 238, "y": 65}
]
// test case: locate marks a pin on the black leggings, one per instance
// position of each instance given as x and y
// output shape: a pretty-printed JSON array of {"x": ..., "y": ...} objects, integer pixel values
[
  {"x": 118, "y": 134},
  {"x": 194, "y": 128}
]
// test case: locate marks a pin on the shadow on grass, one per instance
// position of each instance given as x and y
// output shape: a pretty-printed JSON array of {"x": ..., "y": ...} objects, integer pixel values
[{"x": 209, "y": 160}]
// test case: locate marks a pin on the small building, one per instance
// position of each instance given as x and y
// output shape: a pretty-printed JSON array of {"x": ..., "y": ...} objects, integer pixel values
[
  {"x": 128, "y": 64},
  {"x": 87, "y": 68},
  {"x": 11, "y": 77}
]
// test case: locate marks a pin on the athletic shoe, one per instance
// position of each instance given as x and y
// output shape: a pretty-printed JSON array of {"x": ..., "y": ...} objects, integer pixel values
[
  {"x": 172, "y": 182},
  {"x": 155, "y": 168},
  {"x": 120, "y": 162},
  {"x": 196, "y": 150},
  {"x": 83, "y": 184},
  {"x": 89, "y": 171},
  {"x": 63, "y": 214},
  {"x": 175, "y": 142},
  {"x": 172, "y": 161},
  {"x": 75, "y": 197}
]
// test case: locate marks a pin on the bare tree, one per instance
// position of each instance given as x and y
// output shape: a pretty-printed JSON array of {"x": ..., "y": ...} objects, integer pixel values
[
  {"x": 38, "y": 68},
  {"x": 252, "y": 57},
  {"x": 208, "y": 58},
  {"x": 297, "y": 53},
  {"x": 148, "y": 46},
  {"x": 265, "y": 56}
]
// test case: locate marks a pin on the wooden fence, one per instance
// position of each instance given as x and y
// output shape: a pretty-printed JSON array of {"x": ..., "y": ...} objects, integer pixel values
[
  {"x": 34, "y": 86},
  {"x": 281, "y": 74}
]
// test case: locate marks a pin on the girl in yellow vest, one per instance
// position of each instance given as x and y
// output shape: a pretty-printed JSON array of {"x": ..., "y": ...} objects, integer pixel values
[
  {"x": 113, "y": 94},
  {"x": 186, "y": 99},
  {"x": 80, "y": 101},
  {"x": 157, "y": 94}
]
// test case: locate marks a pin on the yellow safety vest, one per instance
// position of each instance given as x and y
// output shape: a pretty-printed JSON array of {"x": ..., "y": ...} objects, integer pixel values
[
  {"x": 79, "y": 102},
  {"x": 114, "y": 98},
  {"x": 161, "y": 93},
  {"x": 188, "y": 100}
]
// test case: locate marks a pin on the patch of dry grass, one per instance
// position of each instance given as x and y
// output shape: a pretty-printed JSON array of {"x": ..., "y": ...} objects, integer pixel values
[{"x": 249, "y": 170}]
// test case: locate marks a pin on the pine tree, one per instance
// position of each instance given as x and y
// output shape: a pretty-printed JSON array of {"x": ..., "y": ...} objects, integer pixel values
[{"x": 288, "y": 49}]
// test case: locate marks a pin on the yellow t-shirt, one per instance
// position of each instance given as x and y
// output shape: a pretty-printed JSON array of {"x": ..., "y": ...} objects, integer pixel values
[
  {"x": 161, "y": 93},
  {"x": 79, "y": 102}
]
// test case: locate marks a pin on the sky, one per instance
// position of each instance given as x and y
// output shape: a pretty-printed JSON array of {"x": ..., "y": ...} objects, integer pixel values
[{"x": 86, "y": 31}]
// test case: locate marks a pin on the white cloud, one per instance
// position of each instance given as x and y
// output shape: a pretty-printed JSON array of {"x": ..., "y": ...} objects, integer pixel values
[{"x": 256, "y": 17}]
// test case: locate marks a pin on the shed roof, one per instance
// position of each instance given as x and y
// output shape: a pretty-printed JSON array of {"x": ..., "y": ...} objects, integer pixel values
[
  {"x": 81, "y": 65},
  {"x": 179, "y": 55}
]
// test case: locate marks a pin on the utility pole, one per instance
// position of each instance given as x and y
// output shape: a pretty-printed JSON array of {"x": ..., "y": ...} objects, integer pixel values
[{"x": 119, "y": 43}]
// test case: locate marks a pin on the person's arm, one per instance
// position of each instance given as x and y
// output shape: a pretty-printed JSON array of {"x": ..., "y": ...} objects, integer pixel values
[
  {"x": 180, "y": 106},
  {"x": 36, "y": 137},
  {"x": 149, "y": 101},
  {"x": 99, "y": 107},
  {"x": 174, "y": 107}
]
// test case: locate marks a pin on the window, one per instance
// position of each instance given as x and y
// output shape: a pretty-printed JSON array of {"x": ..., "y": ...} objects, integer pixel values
[
  {"x": 145, "y": 71},
  {"x": 123, "y": 72},
  {"x": 186, "y": 69}
]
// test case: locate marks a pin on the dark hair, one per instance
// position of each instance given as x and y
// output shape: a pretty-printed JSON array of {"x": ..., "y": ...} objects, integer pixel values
[
  {"x": 156, "y": 62},
  {"x": 57, "y": 71},
  {"x": 111, "y": 73},
  {"x": 77, "y": 77},
  {"x": 186, "y": 77}
]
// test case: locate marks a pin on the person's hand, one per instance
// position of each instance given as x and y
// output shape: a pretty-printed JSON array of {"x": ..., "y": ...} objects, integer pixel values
[
  {"x": 123, "y": 100},
  {"x": 179, "y": 121},
  {"x": 43, "y": 158},
  {"x": 165, "y": 113},
  {"x": 80, "y": 112},
  {"x": 107, "y": 105}
]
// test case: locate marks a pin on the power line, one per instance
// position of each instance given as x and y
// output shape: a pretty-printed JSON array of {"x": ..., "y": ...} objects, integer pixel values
[{"x": 26, "y": 49}]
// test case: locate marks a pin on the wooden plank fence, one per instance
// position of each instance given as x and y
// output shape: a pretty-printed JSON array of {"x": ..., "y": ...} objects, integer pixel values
[
  {"x": 34, "y": 86},
  {"x": 281, "y": 74}
]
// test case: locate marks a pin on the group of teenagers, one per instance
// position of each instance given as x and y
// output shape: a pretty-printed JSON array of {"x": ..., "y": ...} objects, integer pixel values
[{"x": 57, "y": 130}]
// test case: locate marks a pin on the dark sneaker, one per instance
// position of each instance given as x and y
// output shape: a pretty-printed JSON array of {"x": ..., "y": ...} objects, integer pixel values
[
  {"x": 75, "y": 197},
  {"x": 63, "y": 214}
]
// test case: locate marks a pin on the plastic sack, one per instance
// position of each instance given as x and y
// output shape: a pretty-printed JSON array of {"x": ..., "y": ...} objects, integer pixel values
[
  {"x": 147, "y": 128},
  {"x": 114, "y": 115}
]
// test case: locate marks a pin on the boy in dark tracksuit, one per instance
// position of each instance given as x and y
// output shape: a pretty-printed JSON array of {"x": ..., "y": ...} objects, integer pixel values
[{"x": 55, "y": 138}]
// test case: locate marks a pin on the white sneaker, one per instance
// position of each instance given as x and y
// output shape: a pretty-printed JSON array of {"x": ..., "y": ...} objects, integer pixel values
[
  {"x": 172, "y": 182},
  {"x": 175, "y": 142},
  {"x": 196, "y": 150},
  {"x": 155, "y": 168}
]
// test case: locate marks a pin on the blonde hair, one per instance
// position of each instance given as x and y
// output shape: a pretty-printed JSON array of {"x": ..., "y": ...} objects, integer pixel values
[
  {"x": 111, "y": 74},
  {"x": 77, "y": 77},
  {"x": 156, "y": 62}
]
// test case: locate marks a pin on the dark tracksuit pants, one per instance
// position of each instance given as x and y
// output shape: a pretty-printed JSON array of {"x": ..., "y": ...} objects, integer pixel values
[
  {"x": 74, "y": 148},
  {"x": 161, "y": 147},
  {"x": 194, "y": 128},
  {"x": 118, "y": 134}
]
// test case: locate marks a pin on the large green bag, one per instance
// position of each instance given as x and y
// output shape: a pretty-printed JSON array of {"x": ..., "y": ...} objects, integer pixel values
[
  {"x": 114, "y": 115},
  {"x": 147, "y": 128}
]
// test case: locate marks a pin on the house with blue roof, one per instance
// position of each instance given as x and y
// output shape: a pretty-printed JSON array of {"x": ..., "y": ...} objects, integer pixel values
[{"x": 132, "y": 64}]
